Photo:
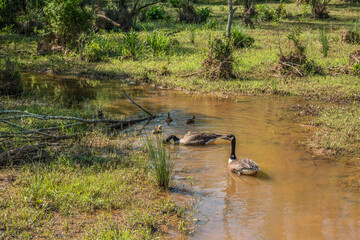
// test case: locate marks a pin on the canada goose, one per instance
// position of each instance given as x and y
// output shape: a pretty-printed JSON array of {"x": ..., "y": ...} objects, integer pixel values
[
  {"x": 168, "y": 119},
  {"x": 194, "y": 138},
  {"x": 157, "y": 130},
  {"x": 190, "y": 121},
  {"x": 243, "y": 166}
]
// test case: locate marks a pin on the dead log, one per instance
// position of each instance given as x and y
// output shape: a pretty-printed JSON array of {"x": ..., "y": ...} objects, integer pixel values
[{"x": 127, "y": 123}]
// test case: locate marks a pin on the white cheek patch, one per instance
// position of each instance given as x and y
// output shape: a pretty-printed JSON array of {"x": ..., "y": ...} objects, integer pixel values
[{"x": 210, "y": 141}]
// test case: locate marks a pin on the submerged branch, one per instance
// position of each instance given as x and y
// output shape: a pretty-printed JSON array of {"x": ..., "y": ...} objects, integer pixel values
[{"x": 138, "y": 105}]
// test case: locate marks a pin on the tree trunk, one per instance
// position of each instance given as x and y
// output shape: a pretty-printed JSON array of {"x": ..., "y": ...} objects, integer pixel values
[{"x": 231, "y": 14}]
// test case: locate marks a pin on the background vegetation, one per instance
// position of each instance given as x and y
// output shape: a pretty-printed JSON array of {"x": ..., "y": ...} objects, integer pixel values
[{"x": 306, "y": 48}]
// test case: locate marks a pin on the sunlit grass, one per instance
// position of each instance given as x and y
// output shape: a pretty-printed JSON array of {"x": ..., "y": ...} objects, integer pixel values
[{"x": 162, "y": 162}]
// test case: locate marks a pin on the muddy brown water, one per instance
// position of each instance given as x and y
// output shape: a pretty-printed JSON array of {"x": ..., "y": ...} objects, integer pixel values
[{"x": 296, "y": 195}]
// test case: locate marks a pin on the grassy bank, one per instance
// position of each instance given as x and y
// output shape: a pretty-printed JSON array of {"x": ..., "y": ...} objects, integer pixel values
[
  {"x": 98, "y": 186},
  {"x": 181, "y": 65}
]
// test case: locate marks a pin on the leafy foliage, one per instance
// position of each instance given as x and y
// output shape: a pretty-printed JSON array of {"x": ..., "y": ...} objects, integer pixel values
[
  {"x": 132, "y": 45},
  {"x": 267, "y": 13},
  {"x": 157, "y": 13},
  {"x": 240, "y": 39},
  {"x": 158, "y": 42},
  {"x": 67, "y": 20}
]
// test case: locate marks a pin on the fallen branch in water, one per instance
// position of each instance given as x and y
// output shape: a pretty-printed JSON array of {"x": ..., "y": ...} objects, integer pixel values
[
  {"x": 127, "y": 123},
  {"x": 138, "y": 105}
]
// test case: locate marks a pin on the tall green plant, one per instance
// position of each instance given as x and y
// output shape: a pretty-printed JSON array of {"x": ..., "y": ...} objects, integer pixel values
[
  {"x": 132, "y": 44},
  {"x": 158, "y": 42},
  {"x": 161, "y": 162},
  {"x": 67, "y": 20},
  {"x": 324, "y": 39}
]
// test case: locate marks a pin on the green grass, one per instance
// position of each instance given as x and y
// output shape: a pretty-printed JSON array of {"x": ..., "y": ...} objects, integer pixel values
[
  {"x": 162, "y": 162},
  {"x": 253, "y": 66},
  {"x": 97, "y": 187}
]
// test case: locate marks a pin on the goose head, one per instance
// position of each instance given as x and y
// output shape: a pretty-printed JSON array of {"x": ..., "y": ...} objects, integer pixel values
[
  {"x": 229, "y": 137},
  {"x": 172, "y": 137}
]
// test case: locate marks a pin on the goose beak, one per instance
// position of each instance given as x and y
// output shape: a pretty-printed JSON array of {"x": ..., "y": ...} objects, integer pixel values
[{"x": 224, "y": 138}]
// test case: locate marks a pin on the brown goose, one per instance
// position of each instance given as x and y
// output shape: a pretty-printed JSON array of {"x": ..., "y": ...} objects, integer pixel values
[
  {"x": 243, "y": 166},
  {"x": 194, "y": 138}
]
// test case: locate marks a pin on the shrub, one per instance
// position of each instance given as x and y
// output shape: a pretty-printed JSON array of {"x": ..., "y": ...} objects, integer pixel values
[
  {"x": 131, "y": 44},
  {"x": 266, "y": 13},
  {"x": 324, "y": 40},
  {"x": 211, "y": 24},
  {"x": 158, "y": 42},
  {"x": 161, "y": 162},
  {"x": 319, "y": 8},
  {"x": 294, "y": 36},
  {"x": 156, "y": 13},
  {"x": 10, "y": 79},
  {"x": 67, "y": 20},
  {"x": 188, "y": 13},
  {"x": 204, "y": 14},
  {"x": 240, "y": 39},
  {"x": 218, "y": 62},
  {"x": 352, "y": 35}
]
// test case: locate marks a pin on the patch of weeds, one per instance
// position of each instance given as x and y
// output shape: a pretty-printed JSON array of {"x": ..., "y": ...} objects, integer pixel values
[
  {"x": 296, "y": 63},
  {"x": 268, "y": 14},
  {"x": 132, "y": 45},
  {"x": 240, "y": 39},
  {"x": 103, "y": 45},
  {"x": 354, "y": 62},
  {"x": 219, "y": 62},
  {"x": 352, "y": 35},
  {"x": 162, "y": 163},
  {"x": 157, "y": 12},
  {"x": 158, "y": 42}
]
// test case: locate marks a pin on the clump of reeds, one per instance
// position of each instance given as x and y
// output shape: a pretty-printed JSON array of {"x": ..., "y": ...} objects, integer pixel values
[{"x": 161, "y": 161}]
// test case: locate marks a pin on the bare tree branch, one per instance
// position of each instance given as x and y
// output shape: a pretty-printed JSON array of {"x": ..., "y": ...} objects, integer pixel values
[{"x": 138, "y": 105}]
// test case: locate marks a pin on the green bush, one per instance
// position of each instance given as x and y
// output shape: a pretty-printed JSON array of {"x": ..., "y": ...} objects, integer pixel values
[
  {"x": 356, "y": 68},
  {"x": 204, "y": 13},
  {"x": 158, "y": 42},
  {"x": 240, "y": 39},
  {"x": 132, "y": 45},
  {"x": 267, "y": 13},
  {"x": 10, "y": 78},
  {"x": 67, "y": 20},
  {"x": 156, "y": 13},
  {"x": 211, "y": 25}
]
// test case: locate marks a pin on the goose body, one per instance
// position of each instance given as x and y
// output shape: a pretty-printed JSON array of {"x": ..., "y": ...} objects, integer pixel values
[
  {"x": 194, "y": 138},
  {"x": 243, "y": 166},
  {"x": 168, "y": 119},
  {"x": 190, "y": 121}
]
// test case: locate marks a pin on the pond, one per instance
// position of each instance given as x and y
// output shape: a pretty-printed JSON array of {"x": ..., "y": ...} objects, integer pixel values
[{"x": 296, "y": 196}]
